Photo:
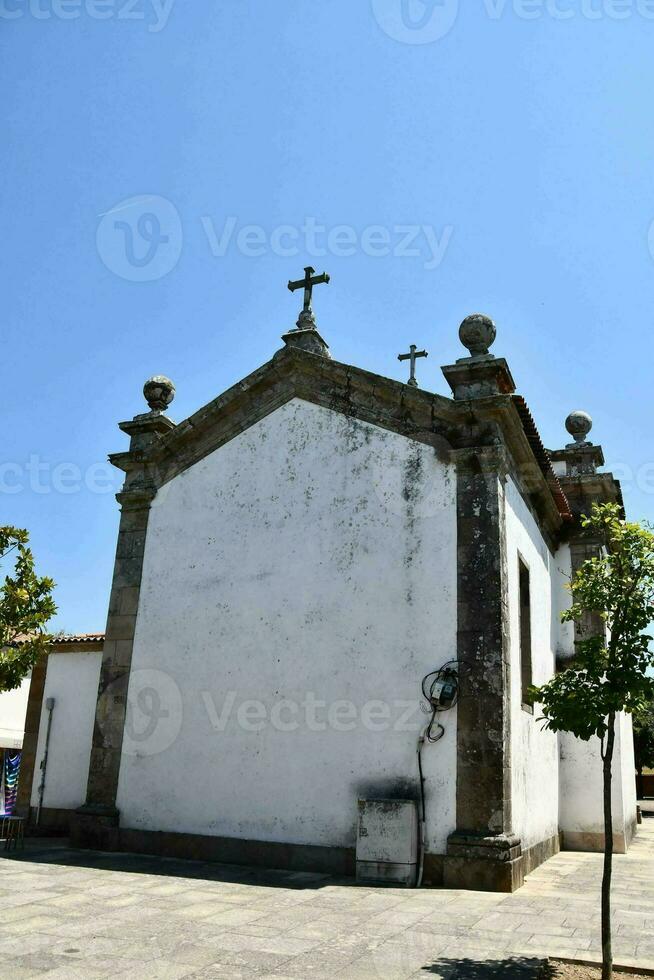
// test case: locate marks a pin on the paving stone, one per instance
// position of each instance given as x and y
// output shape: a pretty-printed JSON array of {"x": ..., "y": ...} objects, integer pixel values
[
  {"x": 242, "y": 916},
  {"x": 128, "y": 916},
  {"x": 288, "y": 945},
  {"x": 19, "y": 945},
  {"x": 160, "y": 970},
  {"x": 254, "y": 929},
  {"x": 122, "y": 901},
  {"x": 201, "y": 910},
  {"x": 254, "y": 961},
  {"x": 30, "y": 964},
  {"x": 189, "y": 953},
  {"x": 94, "y": 946},
  {"x": 18, "y": 972},
  {"x": 220, "y": 972}
]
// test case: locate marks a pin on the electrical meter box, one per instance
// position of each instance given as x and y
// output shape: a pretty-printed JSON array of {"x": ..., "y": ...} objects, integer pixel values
[{"x": 387, "y": 842}]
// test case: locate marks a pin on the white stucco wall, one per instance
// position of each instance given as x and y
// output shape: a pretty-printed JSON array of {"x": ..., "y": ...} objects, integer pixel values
[
  {"x": 581, "y": 796},
  {"x": 297, "y": 585},
  {"x": 534, "y": 763},
  {"x": 628, "y": 773},
  {"x": 581, "y": 814},
  {"x": 13, "y": 708},
  {"x": 72, "y": 680}
]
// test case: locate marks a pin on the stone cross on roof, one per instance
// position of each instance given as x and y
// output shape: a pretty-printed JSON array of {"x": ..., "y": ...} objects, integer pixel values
[
  {"x": 307, "y": 319},
  {"x": 412, "y": 356}
]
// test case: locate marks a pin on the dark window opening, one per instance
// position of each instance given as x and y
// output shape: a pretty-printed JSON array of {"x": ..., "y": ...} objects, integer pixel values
[{"x": 525, "y": 634}]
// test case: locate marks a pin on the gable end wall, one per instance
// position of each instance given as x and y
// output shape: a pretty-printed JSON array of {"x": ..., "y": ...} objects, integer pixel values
[{"x": 297, "y": 584}]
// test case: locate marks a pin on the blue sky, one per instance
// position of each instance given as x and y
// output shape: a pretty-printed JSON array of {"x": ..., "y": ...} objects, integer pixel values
[{"x": 507, "y": 147}]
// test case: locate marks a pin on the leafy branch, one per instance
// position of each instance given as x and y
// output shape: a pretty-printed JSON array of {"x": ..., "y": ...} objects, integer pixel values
[
  {"x": 26, "y": 606},
  {"x": 609, "y": 672}
]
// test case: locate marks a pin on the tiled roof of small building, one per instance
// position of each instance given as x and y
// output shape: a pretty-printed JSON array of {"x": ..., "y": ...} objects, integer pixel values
[
  {"x": 80, "y": 638},
  {"x": 64, "y": 639}
]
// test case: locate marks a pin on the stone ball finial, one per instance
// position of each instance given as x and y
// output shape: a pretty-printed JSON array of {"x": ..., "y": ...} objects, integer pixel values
[
  {"x": 579, "y": 425},
  {"x": 159, "y": 392},
  {"x": 477, "y": 333}
]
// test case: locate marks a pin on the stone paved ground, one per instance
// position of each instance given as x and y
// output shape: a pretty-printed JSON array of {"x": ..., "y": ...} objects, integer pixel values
[{"x": 84, "y": 914}]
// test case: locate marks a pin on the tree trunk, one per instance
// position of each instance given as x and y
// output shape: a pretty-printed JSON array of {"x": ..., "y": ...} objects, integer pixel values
[{"x": 607, "y": 954}]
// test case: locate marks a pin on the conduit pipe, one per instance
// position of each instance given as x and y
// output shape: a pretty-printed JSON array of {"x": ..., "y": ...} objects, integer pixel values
[{"x": 49, "y": 707}]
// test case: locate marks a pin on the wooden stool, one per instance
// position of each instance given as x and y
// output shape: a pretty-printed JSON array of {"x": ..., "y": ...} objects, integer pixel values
[{"x": 13, "y": 831}]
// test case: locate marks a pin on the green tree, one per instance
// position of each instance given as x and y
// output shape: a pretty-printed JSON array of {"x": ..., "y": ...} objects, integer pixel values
[
  {"x": 26, "y": 605},
  {"x": 608, "y": 673},
  {"x": 644, "y": 742}
]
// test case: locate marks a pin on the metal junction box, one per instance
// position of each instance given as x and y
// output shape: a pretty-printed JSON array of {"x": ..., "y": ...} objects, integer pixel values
[{"x": 387, "y": 842}]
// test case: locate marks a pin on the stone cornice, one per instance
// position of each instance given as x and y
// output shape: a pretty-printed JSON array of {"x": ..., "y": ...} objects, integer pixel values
[
  {"x": 446, "y": 425},
  {"x": 584, "y": 490},
  {"x": 294, "y": 373},
  {"x": 496, "y": 421},
  {"x": 150, "y": 423}
]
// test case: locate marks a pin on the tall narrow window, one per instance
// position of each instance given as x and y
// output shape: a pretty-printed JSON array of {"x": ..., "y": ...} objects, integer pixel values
[{"x": 525, "y": 633}]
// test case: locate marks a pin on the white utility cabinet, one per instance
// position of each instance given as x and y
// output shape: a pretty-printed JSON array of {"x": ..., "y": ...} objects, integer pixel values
[{"x": 387, "y": 841}]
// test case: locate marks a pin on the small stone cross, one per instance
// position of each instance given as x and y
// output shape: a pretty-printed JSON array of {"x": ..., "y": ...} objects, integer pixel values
[
  {"x": 310, "y": 280},
  {"x": 412, "y": 356}
]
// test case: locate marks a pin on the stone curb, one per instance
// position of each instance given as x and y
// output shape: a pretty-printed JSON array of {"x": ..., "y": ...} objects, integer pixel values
[{"x": 645, "y": 971}]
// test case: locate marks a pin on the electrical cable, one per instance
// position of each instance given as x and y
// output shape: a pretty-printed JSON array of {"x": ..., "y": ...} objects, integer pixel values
[
  {"x": 440, "y": 689},
  {"x": 446, "y": 675}
]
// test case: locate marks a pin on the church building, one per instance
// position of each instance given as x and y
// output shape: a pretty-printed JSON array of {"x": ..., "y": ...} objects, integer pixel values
[{"x": 332, "y": 594}]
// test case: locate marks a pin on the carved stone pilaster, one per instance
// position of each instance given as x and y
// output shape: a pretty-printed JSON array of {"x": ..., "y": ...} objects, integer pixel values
[
  {"x": 583, "y": 486},
  {"x": 483, "y": 853},
  {"x": 96, "y": 823}
]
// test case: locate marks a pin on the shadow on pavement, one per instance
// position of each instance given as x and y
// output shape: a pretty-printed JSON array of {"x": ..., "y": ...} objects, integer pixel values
[
  {"x": 513, "y": 968},
  {"x": 56, "y": 851}
]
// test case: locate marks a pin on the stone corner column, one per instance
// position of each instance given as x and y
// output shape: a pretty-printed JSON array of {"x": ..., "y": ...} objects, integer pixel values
[
  {"x": 96, "y": 823},
  {"x": 483, "y": 853},
  {"x": 584, "y": 484}
]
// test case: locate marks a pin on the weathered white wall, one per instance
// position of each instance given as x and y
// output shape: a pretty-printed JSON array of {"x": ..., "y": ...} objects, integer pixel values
[
  {"x": 628, "y": 775},
  {"x": 581, "y": 795},
  {"x": 580, "y": 767},
  {"x": 311, "y": 560},
  {"x": 534, "y": 764},
  {"x": 72, "y": 679},
  {"x": 13, "y": 708},
  {"x": 581, "y": 814}
]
